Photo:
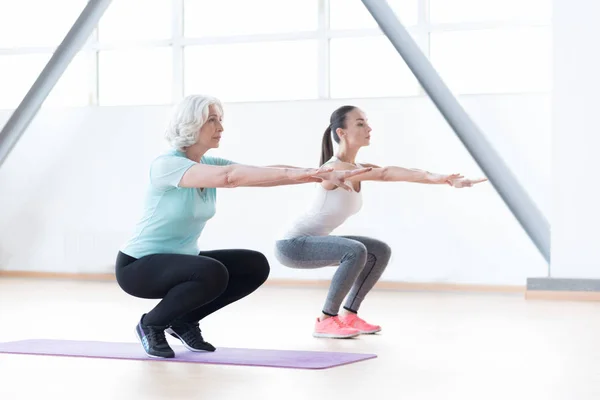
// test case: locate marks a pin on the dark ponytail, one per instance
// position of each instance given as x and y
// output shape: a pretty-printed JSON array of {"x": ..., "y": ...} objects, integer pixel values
[
  {"x": 337, "y": 120},
  {"x": 326, "y": 146}
]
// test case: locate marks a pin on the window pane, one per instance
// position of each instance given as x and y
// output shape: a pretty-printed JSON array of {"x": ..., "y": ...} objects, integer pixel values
[
  {"x": 36, "y": 22},
  {"x": 346, "y": 14},
  {"x": 253, "y": 71},
  {"x": 19, "y": 72},
  {"x": 136, "y": 20},
  {"x": 369, "y": 67},
  {"x": 73, "y": 88},
  {"x": 248, "y": 17},
  {"x": 136, "y": 76},
  {"x": 494, "y": 60},
  {"x": 453, "y": 11}
]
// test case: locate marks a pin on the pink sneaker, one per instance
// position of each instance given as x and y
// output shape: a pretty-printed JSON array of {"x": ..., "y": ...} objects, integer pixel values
[
  {"x": 334, "y": 328},
  {"x": 361, "y": 325}
]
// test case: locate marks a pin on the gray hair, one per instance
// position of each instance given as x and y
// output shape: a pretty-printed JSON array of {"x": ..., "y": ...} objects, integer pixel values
[{"x": 187, "y": 118}]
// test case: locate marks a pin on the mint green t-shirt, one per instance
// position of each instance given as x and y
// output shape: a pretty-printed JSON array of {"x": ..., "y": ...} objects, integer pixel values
[{"x": 173, "y": 216}]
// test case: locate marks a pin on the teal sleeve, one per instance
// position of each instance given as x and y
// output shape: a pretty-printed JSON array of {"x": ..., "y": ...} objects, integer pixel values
[
  {"x": 218, "y": 161},
  {"x": 166, "y": 171}
]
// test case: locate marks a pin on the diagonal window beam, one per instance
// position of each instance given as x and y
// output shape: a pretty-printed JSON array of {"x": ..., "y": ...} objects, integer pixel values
[
  {"x": 500, "y": 176},
  {"x": 54, "y": 69}
]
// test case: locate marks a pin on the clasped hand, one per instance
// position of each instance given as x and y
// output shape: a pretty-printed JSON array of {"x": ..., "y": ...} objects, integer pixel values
[{"x": 328, "y": 174}]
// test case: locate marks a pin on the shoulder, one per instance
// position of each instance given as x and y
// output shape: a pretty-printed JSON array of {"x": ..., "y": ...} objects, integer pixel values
[
  {"x": 210, "y": 160},
  {"x": 167, "y": 169},
  {"x": 340, "y": 165},
  {"x": 171, "y": 158},
  {"x": 170, "y": 155},
  {"x": 367, "y": 165}
]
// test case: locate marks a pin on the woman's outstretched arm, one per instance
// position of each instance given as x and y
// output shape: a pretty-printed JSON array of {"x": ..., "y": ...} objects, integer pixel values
[
  {"x": 235, "y": 175},
  {"x": 401, "y": 174},
  {"x": 239, "y": 175}
]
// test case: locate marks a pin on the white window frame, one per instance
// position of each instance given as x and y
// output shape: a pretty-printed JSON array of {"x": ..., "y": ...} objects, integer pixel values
[{"x": 323, "y": 34}]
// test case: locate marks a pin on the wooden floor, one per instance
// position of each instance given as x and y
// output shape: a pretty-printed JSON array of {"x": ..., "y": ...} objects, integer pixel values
[{"x": 434, "y": 346}]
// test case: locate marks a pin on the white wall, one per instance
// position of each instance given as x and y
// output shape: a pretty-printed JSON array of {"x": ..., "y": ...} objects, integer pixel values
[
  {"x": 576, "y": 138},
  {"x": 72, "y": 188}
]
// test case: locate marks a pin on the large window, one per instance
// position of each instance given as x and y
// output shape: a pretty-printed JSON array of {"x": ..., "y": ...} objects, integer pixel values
[
  {"x": 135, "y": 76},
  {"x": 204, "y": 18},
  {"x": 136, "y": 21},
  {"x": 262, "y": 71},
  {"x": 493, "y": 60},
  {"x": 18, "y": 72},
  {"x": 348, "y": 14},
  {"x": 156, "y": 51},
  {"x": 368, "y": 67},
  {"x": 483, "y": 11},
  {"x": 36, "y": 23}
]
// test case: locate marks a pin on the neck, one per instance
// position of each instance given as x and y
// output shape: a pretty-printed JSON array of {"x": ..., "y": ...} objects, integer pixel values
[
  {"x": 195, "y": 152},
  {"x": 347, "y": 155}
]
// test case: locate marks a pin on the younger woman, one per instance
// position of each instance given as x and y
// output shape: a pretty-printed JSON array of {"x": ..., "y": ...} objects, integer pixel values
[{"x": 361, "y": 260}]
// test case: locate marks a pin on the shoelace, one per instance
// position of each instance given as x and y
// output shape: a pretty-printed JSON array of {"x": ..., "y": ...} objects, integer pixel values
[
  {"x": 339, "y": 322},
  {"x": 353, "y": 319},
  {"x": 193, "y": 335},
  {"x": 157, "y": 336}
]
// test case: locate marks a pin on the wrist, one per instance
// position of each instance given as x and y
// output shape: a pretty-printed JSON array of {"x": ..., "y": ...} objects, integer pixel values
[
  {"x": 429, "y": 177},
  {"x": 293, "y": 173},
  {"x": 288, "y": 173}
]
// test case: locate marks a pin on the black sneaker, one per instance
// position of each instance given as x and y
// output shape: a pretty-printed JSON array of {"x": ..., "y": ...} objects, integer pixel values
[
  {"x": 153, "y": 341},
  {"x": 190, "y": 335}
]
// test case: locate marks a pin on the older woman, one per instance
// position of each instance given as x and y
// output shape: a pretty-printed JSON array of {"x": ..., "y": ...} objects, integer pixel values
[{"x": 162, "y": 260}]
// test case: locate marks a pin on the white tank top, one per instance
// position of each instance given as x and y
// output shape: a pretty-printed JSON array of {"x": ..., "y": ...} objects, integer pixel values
[{"x": 329, "y": 210}]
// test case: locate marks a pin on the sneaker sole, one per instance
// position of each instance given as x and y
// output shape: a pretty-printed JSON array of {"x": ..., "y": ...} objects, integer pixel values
[
  {"x": 148, "y": 354},
  {"x": 370, "y": 332},
  {"x": 334, "y": 336},
  {"x": 172, "y": 333}
]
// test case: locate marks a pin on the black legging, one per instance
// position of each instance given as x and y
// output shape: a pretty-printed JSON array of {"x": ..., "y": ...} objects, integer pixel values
[{"x": 191, "y": 287}]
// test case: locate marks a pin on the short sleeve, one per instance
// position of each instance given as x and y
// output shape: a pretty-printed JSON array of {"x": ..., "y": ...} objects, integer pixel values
[
  {"x": 166, "y": 171},
  {"x": 218, "y": 161}
]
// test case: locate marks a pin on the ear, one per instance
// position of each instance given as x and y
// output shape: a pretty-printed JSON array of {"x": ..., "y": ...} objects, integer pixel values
[{"x": 340, "y": 132}]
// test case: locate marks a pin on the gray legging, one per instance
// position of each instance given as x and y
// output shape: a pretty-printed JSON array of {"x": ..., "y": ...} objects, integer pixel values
[{"x": 361, "y": 262}]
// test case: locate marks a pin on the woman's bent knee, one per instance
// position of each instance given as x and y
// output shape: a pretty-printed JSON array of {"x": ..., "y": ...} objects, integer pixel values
[
  {"x": 381, "y": 250},
  {"x": 386, "y": 251},
  {"x": 358, "y": 251},
  {"x": 260, "y": 268},
  {"x": 216, "y": 274}
]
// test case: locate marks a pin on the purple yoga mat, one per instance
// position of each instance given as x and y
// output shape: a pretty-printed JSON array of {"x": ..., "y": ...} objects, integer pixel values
[{"x": 223, "y": 355}]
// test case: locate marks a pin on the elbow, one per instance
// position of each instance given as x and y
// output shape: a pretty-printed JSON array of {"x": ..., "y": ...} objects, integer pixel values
[
  {"x": 384, "y": 174},
  {"x": 231, "y": 180},
  {"x": 231, "y": 177}
]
